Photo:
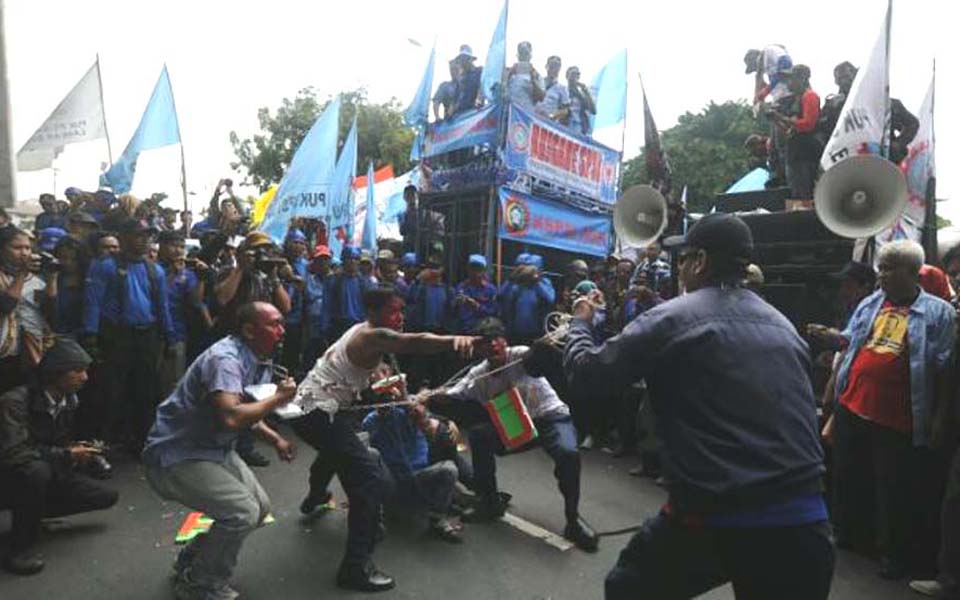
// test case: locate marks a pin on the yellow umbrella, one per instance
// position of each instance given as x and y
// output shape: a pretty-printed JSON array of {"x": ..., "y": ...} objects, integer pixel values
[{"x": 262, "y": 203}]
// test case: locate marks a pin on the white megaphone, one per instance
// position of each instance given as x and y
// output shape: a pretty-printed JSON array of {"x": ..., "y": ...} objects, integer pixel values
[
  {"x": 860, "y": 196},
  {"x": 640, "y": 216}
]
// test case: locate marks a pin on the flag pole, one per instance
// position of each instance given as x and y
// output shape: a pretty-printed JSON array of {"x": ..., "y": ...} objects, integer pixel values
[
  {"x": 183, "y": 159},
  {"x": 885, "y": 137},
  {"x": 8, "y": 178},
  {"x": 103, "y": 108}
]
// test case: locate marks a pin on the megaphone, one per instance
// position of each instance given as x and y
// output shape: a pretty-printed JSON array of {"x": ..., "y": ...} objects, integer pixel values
[
  {"x": 640, "y": 216},
  {"x": 860, "y": 196}
]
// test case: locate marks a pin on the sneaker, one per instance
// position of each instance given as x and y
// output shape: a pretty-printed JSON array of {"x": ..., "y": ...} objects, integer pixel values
[
  {"x": 587, "y": 443},
  {"x": 310, "y": 503},
  {"x": 364, "y": 578},
  {"x": 930, "y": 588},
  {"x": 24, "y": 563},
  {"x": 582, "y": 535},
  {"x": 255, "y": 459},
  {"x": 187, "y": 589},
  {"x": 446, "y": 530}
]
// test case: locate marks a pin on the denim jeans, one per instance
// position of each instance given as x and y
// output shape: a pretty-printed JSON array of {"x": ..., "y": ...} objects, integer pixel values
[
  {"x": 429, "y": 488},
  {"x": 228, "y": 493},
  {"x": 558, "y": 438},
  {"x": 668, "y": 560},
  {"x": 361, "y": 473}
]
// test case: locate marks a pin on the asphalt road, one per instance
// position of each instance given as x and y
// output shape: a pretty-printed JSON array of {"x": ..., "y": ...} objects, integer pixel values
[{"x": 126, "y": 553}]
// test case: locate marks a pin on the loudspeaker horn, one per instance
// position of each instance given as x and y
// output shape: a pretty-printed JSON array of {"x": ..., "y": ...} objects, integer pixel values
[
  {"x": 640, "y": 216},
  {"x": 860, "y": 196}
]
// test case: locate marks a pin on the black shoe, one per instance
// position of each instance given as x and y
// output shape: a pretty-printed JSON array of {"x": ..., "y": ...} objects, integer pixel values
[
  {"x": 582, "y": 535},
  {"x": 311, "y": 502},
  {"x": 891, "y": 569},
  {"x": 255, "y": 459},
  {"x": 99, "y": 468},
  {"x": 364, "y": 578},
  {"x": 487, "y": 509},
  {"x": 24, "y": 563}
]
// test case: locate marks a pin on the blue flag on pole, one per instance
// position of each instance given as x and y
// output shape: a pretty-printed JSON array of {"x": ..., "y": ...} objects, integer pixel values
[
  {"x": 490, "y": 79},
  {"x": 610, "y": 88},
  {"x": 369, "y": 239},
  {"x": 341, "y": 214},
  {"x": 158, "y": 127},
  {"x": 418, "y": 113},
  {"x": 307, "y": 185}
]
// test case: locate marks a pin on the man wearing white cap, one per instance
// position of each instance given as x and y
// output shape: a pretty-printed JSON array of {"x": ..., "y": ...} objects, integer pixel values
[{"x": 468, "y": 84}]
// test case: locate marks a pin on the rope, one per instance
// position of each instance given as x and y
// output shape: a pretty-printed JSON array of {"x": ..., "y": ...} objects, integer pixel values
[{"x": 612, "y": 532}]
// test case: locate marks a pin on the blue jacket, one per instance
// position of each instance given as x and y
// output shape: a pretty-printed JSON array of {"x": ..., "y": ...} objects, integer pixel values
[
  {"x": 729, "y": 378},
  {"x": 526, "y": 306},
  {"x": 402, "y": 445},
  {"x": 431, "y": 303},
  {"x": 343, "y": 299},
  {"x": 930, "y": 339},
  {"x": 314, "y": 304},
  {"x": 180, "y": 292},
  {"x": 485, "y": 294},
  {"x": 107, "y": 291},
  {"x": 295, "y": 316}
]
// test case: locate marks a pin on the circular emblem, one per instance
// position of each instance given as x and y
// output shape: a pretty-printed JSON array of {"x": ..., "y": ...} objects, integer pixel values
[
  {"x": 516, "y": 215},
  {"x": 519, "y": 137}
]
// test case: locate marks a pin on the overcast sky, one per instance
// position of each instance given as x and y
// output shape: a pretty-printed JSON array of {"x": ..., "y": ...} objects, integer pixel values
[{"x": 227, "y": 59}]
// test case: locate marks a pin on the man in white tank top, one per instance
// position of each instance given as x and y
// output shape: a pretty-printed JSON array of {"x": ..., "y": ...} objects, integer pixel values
[{"x": 335, "y": 383}]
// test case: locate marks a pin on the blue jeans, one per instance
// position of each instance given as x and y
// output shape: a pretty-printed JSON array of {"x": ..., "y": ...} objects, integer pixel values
[{"x": 558, "y": 438}]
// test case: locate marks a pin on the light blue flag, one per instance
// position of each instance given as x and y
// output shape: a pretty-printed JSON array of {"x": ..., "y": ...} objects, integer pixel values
[
  {"x": 490, "y": 79},
  {"x": 158, "y": 127},
  {"x": 369, "y": 239},
  {"x": 307, "y": 185},
  {"x": 610, "y": 87},
  {"x": 341, "y": 213},
  {"x": 418, "y": 113},
  {"x": 416, "y": 149}
]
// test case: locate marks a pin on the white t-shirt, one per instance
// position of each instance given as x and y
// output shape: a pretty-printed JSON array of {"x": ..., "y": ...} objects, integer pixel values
[
  {"x": 334, "y": 381},
  {"x": 775, "y": 60},
  {"x": 536, "y": 392}
]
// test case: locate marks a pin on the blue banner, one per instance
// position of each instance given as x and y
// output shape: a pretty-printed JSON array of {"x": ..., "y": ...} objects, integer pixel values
[
  {"x": 158, "y": 127},
  {"x": 495, "y": 60},
  {"x": 550, "y": 152},
  {"x": 308, "y": 181},
  {"x": 419, "y": 110},
  {"x": 474, "y": 128},
  {"x": 530, "y": 220},
  {"x": 610, "y": 92}
]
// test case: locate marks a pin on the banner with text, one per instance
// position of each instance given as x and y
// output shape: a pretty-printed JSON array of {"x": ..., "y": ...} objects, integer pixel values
[
  {"x": 474, "y": 128},
  {"x": 530, "y": 220},
  {"x": 548, "y": 151}
]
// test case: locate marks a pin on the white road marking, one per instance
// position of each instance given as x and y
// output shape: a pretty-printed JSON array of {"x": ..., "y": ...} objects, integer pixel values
[{"x": 558, "y": 542}]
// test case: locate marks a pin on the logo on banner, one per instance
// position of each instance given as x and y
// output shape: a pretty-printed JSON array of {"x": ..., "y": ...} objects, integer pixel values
[
  {"x": 516, "y": 215},
  {"x": 520, "y": 137}
]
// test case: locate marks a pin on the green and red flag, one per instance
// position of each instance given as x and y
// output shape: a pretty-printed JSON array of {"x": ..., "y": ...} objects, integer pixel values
[{"x": 511, "y": 419}]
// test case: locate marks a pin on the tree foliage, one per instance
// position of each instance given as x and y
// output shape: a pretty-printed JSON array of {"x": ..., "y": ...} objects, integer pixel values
[
  {"x": 381, "y": 135},
  {"x": 705, "y": 152}
]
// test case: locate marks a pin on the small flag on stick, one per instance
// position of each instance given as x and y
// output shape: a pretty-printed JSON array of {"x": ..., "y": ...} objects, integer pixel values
[{"x": 511, "y": 419}]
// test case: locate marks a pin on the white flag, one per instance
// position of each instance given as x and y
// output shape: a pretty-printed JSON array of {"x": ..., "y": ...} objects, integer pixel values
[
  {"x": 918, "y": 167},
  {"x": 78, "y": 118},
  {"x": 863, "y": 125}
]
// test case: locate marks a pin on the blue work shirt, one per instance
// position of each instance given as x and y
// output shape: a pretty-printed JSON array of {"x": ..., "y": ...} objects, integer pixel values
[
  {"x": 467, "y": 89},
  {"x": 527, "y": 308},
  {"x": 69, "y": 310},
  {"x": 103, "y": 297},
  {"x": 295, "y": 316},
  {"x": 180, "y": 289},
  {"x": 187, "y": 426},
  {"x": 431, "y": 306},
  {"x": 729, "y": 377},
  {"x": 485, "y": 295},
  {"x": 45, "y": 220},
  {"x": 343, "y": 298},
  {"x": 400, "y": 442},
  {"x": 314, "y": 303},
  {"x": 930, "y": 340}
]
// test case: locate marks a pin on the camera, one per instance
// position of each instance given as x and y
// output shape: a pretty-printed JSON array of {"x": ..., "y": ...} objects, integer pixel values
[
  {"x": 49, "y": 263},
  {"x": 265, "y": 260}
]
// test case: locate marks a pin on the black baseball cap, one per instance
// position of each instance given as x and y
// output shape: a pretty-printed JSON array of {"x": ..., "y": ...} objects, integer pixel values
[
  {"x": 490, "y": 327},
  {"x": 859, "y": 272},
  {"x": 719, "y": 234}
]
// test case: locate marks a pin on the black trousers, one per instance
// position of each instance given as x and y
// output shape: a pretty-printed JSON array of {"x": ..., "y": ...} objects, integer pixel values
[
  {"x": 360, "y": 471},
  {"x": 38, "y": 490},
  {"x": 886, "y": 492},
  {"x": 129, "y": 376},
  {"x": 949, "y": 559},
  {"x": 667, "y": 560}
]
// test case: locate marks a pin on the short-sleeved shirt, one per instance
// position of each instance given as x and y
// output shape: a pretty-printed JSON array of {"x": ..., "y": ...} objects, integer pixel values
[
  {"x": 181, "y": 288},
  {"x": 557, "y": 97},
  {"x": 187, "y": 425},
  {"x": 879, "y": 388}
]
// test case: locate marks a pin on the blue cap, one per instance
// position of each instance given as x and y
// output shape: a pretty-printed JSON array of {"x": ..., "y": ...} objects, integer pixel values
[
  {"x": 349, "y": 252},
  {"x": 409, "y": 259},
  {"x": 295, "y": 235},
  {"x": 49, "y": 238},
  {"x": 70, "y": 192},
  {"x": 522, "y": 259},
  {"x": 477, "y": 260},
  {"x": 536, "y": 260},
  {"x": 105, "y": 196}
]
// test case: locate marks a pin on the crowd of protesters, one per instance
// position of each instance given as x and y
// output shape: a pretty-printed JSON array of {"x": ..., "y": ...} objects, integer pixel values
[{"x": 108, "y": 301}]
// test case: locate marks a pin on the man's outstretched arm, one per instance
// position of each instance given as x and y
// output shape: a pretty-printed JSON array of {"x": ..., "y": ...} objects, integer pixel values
[{"x": 369, "y": 344}]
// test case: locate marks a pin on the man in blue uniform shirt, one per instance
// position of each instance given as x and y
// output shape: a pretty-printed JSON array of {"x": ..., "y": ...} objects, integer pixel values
[
  {"x": 343, "y": 295},
  {"x": 728, "y": 376},
  {"x": 476, "y": 297}
]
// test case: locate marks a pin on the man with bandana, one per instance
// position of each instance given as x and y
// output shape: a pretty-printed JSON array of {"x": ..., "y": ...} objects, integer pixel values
[{"x": 321, "y": 417}]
